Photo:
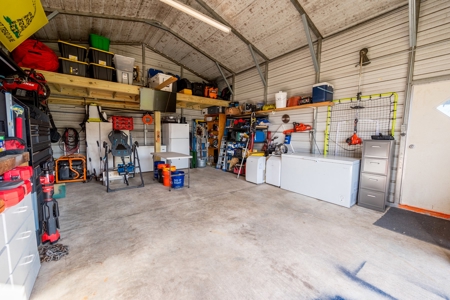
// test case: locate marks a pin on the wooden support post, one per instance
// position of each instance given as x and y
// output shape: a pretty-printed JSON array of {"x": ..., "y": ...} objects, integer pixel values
[{"x": 157, "y": 134}]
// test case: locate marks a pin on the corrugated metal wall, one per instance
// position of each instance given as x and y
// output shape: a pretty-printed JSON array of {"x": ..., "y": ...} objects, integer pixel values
[
  {"x": 249, "y": 87},
  {"x": 433, "y": 40},
  {"x": 293, "y": 74}
]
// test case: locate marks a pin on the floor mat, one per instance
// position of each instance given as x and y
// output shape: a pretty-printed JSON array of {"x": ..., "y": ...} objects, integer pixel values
[{"x": 422, "y": 227}]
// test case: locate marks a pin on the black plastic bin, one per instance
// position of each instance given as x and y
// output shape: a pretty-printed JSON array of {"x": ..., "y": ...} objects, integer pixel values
[
  {"x": 72, "y": 51},
  {"x": 72, "y": 67},
  {"x": 101, "y": 72},
  {"x": 100, "y": 57}
]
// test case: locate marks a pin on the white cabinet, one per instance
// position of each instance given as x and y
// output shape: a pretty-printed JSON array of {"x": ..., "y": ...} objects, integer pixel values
[
  {"x": 19, "y": 257},
  {"x": 333, "y": 179},
  {"x": 255, "y": 169},
  {"x": 273, "y": 170}
]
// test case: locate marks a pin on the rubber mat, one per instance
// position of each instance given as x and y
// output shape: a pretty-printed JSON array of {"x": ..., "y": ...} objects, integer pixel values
[{"x": 422, "y": 227}]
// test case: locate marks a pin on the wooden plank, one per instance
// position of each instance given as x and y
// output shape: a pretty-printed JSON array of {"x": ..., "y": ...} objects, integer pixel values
[
  {"x": 165, "y": 83},
  {"x": 83, "y": 93},
  {"x": 320, "y": 104},
  {"x": 9, "y": 162},
  {"x": 84, "y": 82},
  {"x": 102, "y": 103},
  {"x": 202, "y": 100},
  {"x": 157, "y": 135}
]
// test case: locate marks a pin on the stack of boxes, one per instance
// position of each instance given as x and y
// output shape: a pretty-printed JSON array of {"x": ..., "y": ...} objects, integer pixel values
[
  {"x": 100, "y": 65},
  {"x": 72, "y": 60}
]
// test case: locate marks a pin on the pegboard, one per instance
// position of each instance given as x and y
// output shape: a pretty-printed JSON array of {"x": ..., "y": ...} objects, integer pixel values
[{"x": 378, "y": 115}]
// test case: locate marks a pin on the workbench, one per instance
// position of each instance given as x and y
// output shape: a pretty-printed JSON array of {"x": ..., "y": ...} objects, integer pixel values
[{"x": 169, "y": 156}]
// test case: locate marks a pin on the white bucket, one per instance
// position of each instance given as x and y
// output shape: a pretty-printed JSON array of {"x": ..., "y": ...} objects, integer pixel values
[{"x": 280, "y": 99}]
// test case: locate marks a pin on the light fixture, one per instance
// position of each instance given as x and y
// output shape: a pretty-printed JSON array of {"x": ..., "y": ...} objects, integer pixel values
[{"x": 192, "y": 12}]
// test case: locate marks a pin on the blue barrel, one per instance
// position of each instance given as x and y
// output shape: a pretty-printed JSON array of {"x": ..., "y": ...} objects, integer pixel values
[
  {"x": 155, "y": 168},
  {"x": 177, "y": 179}
]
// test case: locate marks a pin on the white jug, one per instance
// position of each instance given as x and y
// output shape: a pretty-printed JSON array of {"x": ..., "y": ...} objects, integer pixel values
[{"x": 280, "y": 99}]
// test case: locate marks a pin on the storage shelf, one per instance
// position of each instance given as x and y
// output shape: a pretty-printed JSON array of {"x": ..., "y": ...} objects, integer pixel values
[{"x": 266, "y": 112}]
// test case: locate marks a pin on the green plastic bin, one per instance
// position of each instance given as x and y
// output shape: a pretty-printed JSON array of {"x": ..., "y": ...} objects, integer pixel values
[{"x": 99, "y": 42}]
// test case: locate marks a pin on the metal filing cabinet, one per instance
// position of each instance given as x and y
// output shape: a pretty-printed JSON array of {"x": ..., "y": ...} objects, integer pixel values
[{"x": 375, "y": 174}]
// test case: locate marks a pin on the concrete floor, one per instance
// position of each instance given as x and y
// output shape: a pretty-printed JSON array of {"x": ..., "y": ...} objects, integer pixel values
[{"x": 228, "y": 239}]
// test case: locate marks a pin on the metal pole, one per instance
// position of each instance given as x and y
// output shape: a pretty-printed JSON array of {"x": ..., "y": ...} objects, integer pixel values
[
  {"x": 414, "y": 21},
  {"x": 144, "y": 66},
  {"x": 224, "y": 78},
  {"x": 233, "y": 81},
  {"x": 257, "y": 65},
  {"x": 310, "y": 43},
  {"x": 266, "y": 78},
  {"x": 318, "y": 57},
  {"x": 52, "y": 15}
]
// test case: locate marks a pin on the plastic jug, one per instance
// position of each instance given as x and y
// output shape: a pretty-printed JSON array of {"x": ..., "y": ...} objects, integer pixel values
[{"x": 280, "y": 99}]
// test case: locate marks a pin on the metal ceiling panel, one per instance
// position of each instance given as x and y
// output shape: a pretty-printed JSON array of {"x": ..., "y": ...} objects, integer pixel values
[
  {"x": 331, "y": 16},
  {"x": 274, "y": 27}
]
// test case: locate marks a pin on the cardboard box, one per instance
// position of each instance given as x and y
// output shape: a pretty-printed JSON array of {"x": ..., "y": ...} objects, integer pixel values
[
  {"x": 158, "y": 79},
  {"x": 233, "y": 111}
]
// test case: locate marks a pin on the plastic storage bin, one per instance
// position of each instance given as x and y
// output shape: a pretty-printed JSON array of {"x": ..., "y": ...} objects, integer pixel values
[
  {"x": 124, "y": 77},
  {"x": 123, "y": 63},
  {"x": 122, "y": 123},
  {"x": 72, "y": 51},
  {"x": 72, "y": 67},
  {"x": 158, "y": 79},
  {"x": 101, "y": 72},
  {"x": 100, "y": 57},
  {"x": 322, "y": 92},
  {"x": 99, "y": 42}
]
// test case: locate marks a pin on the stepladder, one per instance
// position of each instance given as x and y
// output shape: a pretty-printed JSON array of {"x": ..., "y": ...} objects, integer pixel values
[{"x": 222, "y": 159}]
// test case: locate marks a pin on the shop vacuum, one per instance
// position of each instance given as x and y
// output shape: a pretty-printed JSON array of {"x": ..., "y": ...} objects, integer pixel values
[{"x": 50, "y": 210}]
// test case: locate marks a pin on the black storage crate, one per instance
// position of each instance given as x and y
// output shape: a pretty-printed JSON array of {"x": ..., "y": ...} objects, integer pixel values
[
  {"x": 100, "y": 57},
  {"x": 72, "y": 51},
  {"x": 72, "y": 67},
  {"x": 101, "y": 72}
]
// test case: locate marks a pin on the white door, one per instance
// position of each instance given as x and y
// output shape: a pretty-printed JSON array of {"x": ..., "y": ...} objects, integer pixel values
[{"x": 426, "y": 182}]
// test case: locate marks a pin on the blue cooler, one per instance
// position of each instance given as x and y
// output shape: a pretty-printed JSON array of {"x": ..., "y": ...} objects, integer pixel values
[{"x": 322, "y": 92}]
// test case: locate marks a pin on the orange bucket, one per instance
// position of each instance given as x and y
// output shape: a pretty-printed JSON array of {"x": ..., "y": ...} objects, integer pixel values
[
  {"x": 161, "y": 166},
  {"x": 166, "y": 175}
]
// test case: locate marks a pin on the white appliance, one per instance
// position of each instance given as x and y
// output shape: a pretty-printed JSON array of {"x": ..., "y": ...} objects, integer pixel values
[
  {"x": 146, "y": 158},
  {"x": 329, "y": 178},
  {"x": 255, "y": 169},
  {"x": 273, "y": 170},
  {"x": 176, "y": 138}
]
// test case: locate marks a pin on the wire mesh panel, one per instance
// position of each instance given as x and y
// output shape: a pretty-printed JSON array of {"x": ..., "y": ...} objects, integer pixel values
[{"x": 372, "y": 115}]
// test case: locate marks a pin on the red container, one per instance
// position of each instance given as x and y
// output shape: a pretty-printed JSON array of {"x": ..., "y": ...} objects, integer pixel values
[
  {"x": 13, "y": 196},
  {"x": 293, "y": 101},
  {"x": 122, "y": 123},
  {"x": 27, "y": 187}
]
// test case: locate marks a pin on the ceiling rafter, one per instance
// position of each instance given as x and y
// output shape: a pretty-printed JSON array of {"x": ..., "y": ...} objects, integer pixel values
[
  {"x": 149, "y": 22},
  {"x": 302, "y": 11},
  {"x": 233, "y": 30}
]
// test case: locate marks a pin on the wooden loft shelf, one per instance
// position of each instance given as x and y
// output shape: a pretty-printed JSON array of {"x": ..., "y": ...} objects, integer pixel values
[
  {"x": 320, "y": 104},
  {"x": 196, "y": 102},
  {"x": 76, "y": 90},
  {"x": 9, "y": 162},
  {"x": 266, "y": 112}
]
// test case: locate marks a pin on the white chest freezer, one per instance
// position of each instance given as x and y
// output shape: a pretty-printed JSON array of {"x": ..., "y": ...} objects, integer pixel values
[
  {"x": 332, "y": 178},
  {"x": 255, "y": 169},
  {"x": 273, "y": 170}
]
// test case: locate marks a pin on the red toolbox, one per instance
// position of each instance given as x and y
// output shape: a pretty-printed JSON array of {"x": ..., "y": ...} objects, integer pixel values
[
  {"x": 122, "y": 123},
  {"x": 24, "y": 173},
  {"x": 13, "y": 192}
]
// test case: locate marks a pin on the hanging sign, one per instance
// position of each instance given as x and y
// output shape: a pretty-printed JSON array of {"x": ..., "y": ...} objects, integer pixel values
[{"x": 19, "y": 20}]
